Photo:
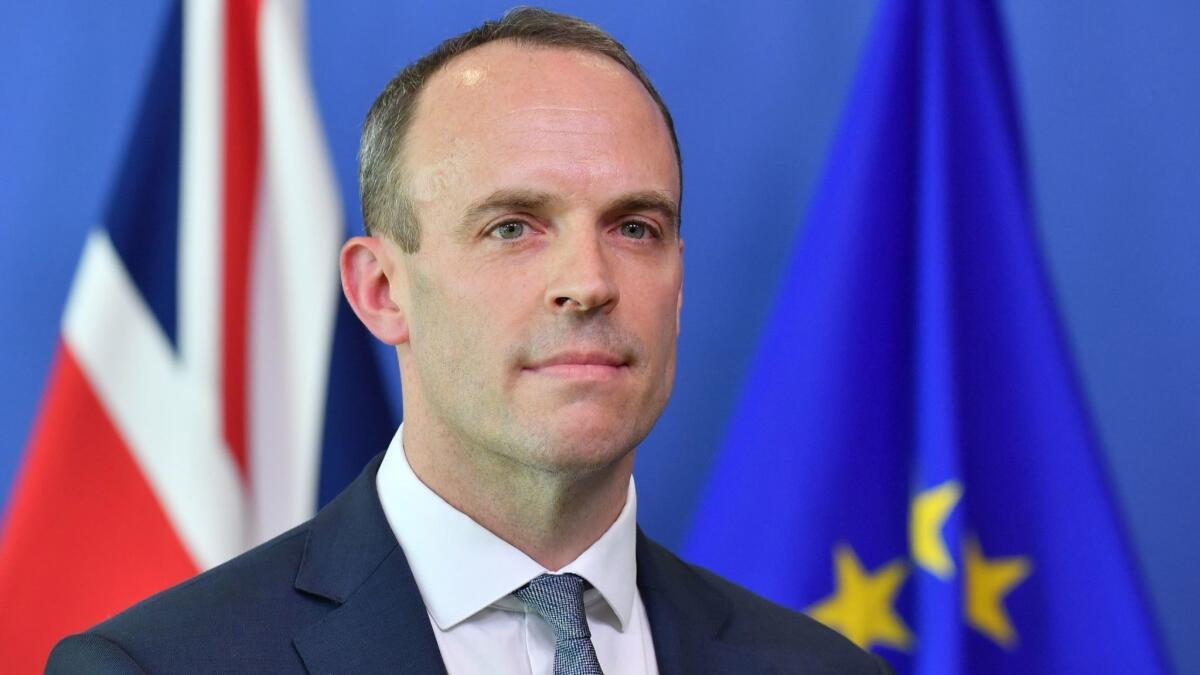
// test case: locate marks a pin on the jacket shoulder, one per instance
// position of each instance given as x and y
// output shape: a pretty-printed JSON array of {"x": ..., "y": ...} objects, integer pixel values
[
  {"x": 788, "y": 640},
  {"x": 246, "y": 607},
  {"x": 778, "y": 628},
  {"x": 87, "y": 653}
]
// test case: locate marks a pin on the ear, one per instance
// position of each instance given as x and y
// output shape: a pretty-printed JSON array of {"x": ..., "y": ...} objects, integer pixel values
[{"x": 375, "y": 287}]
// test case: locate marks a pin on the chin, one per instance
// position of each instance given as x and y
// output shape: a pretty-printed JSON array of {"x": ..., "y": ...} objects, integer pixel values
[
  {"x": 582, "y": 446},
  {"x": 582, "y": 435}
]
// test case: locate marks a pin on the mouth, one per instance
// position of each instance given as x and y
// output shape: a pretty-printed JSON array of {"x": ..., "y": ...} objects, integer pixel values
[{"x": 580, "y": 365}]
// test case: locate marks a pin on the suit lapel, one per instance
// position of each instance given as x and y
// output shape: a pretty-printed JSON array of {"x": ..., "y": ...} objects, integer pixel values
[
  {"x": 380, "y": 624},
  {"x": 351, "y": 558},
  {"x": 686, "y": 617}
]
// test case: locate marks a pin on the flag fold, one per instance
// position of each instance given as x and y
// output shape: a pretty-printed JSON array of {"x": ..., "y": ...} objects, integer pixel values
[{"x": 911, "y": 461}]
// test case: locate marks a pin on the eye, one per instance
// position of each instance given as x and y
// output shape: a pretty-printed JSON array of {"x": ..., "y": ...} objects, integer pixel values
[
  {"x": 634, "y": 229},
  {"x": 510, "y": 230}
]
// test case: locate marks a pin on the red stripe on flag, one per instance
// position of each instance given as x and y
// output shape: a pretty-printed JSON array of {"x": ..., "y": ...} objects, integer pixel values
[
  {"x": 85, "y": 536},
  {"x": 242, "y": 142}
]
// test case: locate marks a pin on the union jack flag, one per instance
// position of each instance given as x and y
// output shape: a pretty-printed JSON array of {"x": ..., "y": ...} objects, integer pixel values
[{"x": 210, "y": 388}]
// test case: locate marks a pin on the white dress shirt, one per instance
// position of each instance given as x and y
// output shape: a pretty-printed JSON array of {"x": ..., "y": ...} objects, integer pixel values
[{"x": 466, "y": 576}]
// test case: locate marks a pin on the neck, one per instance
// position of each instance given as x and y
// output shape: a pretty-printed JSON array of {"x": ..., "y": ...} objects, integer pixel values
[{"x": 550, "y": 515}]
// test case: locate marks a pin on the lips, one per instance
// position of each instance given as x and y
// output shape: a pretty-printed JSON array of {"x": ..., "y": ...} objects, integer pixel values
[{"x": 580, "y": 365}]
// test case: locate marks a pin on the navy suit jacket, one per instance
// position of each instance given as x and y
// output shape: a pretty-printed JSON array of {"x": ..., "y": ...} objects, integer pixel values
[{"x": 335, "y": 595}]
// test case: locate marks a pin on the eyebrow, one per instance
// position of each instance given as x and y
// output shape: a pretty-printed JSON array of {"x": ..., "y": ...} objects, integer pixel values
[
  {"x": 534, "y": 200},
  {"x": 650, "y": 200},
  {"x": 504, "y": 200}
]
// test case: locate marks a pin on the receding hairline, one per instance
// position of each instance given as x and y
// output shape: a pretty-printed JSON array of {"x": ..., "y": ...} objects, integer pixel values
[
  {"x": 383, "y": 148},
  {"x": 609, "y": 63}
]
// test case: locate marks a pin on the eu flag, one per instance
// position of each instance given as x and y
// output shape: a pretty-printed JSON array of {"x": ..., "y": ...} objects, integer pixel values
[{"x": 911, "y": 462}]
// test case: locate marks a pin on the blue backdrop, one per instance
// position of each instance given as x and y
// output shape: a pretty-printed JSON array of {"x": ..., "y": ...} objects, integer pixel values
[{"x": 1109, "y": 100}]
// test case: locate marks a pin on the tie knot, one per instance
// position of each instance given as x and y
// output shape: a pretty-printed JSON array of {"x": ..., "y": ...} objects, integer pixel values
[{"x": 558, "y": 598}]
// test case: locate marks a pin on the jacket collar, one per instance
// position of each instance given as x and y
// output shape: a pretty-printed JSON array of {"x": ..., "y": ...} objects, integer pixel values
[
  {"x": 380, "y": 624},
  {"x": 687, "y": 617},
  {"x": 352, "y": 559}
]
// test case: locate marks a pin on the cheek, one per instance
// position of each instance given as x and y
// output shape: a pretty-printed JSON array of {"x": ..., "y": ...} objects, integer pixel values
[
  {"x": 652, "y": 312},
  {"x": 505, "y": 296},
  {"x": 444, "y": 326},
  {"x": 448, "y": 352},
  {"x": 469, "y": 316},
  {"x": 657, "y": 305},
  {"x": 438, "y": 336}
]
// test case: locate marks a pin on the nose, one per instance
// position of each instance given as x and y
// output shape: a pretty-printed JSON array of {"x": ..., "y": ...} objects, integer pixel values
[{"x": 582, "y": 280}]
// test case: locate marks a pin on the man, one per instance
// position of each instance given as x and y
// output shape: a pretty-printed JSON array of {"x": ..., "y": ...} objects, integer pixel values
[{"x": 521, "y": 190}]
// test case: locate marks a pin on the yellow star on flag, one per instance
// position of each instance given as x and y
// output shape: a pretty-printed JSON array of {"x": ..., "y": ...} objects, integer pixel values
[
  {"x": 987, "y": 584},
  {"x": 862, "y": 606},
  {"x": 930, "y": 509}
]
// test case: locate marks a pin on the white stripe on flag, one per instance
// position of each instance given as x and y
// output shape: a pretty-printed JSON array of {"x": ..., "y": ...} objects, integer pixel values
[
  {"x": 294, "y": 280},
  {"x": 166, "y": 418},
  {"x": 200, "y": 194}
]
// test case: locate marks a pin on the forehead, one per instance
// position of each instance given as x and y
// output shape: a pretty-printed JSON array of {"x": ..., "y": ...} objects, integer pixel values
[{"x": 506, "y": 112}]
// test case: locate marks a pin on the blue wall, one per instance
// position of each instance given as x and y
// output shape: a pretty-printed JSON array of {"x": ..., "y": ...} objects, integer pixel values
[{"x": 1110, "y": 96}]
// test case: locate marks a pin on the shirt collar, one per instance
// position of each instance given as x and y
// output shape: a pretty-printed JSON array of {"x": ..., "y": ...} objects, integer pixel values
[{"x": 461, "y": 567}]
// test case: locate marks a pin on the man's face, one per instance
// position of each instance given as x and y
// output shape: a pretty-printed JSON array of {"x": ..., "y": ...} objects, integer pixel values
[{"x": 543, "y": 304}]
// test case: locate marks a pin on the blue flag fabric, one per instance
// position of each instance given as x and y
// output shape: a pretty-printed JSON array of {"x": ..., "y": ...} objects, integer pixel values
[{"x": 910, "y": 461}]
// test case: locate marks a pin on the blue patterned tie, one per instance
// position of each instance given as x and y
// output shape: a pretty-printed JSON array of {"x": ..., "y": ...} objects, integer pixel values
[{"x": 558, "y": 598}]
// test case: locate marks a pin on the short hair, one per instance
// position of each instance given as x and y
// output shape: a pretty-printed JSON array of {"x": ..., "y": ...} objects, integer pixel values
[{"x": 386, "y": 204}]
